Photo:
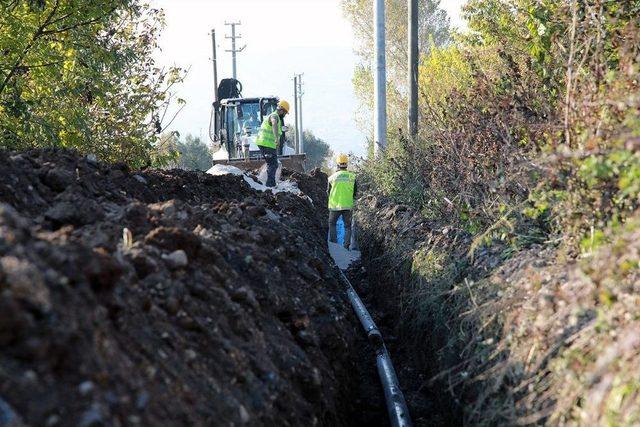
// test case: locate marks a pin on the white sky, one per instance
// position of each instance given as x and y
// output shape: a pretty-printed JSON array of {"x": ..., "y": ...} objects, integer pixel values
[{"x": 283, "y": 37}]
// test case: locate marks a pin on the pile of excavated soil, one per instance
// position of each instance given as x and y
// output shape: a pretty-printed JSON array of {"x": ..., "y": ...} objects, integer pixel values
[{"x": 218, "y": 306}]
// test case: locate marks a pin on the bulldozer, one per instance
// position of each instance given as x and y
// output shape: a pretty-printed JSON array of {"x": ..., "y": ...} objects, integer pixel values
[{"x": 234, "y": 126}]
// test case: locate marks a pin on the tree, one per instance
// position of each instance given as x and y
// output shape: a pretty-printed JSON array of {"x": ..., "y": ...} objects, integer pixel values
[
  {"x": 78, "y": 74},
  {"x": 433, "y": 29},
  {"x": 194, "y": 154},
  {"x": 317, "y": 151},
  {"x": 190, "y": 154}
]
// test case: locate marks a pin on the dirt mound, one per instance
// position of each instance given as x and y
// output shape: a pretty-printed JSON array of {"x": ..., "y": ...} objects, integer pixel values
[{"x": 165, "y": 298}]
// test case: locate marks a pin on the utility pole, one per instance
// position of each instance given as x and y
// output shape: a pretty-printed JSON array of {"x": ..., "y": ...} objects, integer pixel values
[
  {"x": 233, "y": 49},
  {"x": 215, "y": 65},
  {"x": 299, "y": 103},
  {"x": 413, "y": 68},
  {"x": 380, "y": 80},
  {"x": 295, "y": 101}
]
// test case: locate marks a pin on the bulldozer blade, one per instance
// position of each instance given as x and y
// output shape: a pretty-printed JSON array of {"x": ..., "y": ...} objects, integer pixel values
[{"x": 293, "y": 162}]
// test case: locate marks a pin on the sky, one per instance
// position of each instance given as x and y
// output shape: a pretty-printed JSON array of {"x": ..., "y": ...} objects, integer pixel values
[{"x": 282, "y": 38}]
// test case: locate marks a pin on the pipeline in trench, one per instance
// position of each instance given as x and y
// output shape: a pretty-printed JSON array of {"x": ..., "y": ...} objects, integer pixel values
[
  {"x": 396, "y": 405},
  {"x": 425, "y": 398},
  {"x": 417, "y": 357}
]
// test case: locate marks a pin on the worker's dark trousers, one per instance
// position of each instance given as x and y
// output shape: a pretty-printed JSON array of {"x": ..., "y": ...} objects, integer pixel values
[
  {"x": 346, "y": 218},
  {"x": 271, "y": 158}
]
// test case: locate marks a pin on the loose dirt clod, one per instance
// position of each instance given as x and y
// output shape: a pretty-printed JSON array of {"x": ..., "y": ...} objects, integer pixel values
[{"x": 219, "y": 306}]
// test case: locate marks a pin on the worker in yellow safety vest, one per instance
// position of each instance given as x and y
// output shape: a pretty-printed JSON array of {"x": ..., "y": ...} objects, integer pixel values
[
  {"x": 268, "y": 139},
  {"x": 341, "y": 191}
]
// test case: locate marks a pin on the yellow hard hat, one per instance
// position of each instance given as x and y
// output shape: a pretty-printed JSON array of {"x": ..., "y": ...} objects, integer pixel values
[
  {"x": 284, "y": 105},
  {"x": 343, "y": 159}
]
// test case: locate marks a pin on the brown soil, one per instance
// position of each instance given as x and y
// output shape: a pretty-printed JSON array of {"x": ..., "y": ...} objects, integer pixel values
[{"x": 223, "y": 309}]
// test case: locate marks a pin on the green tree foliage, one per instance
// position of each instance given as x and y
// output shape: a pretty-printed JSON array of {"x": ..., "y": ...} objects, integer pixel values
[
  {"x": 584, "y": 58},
  {"x": 78, "y": 74},
  {"x": 194, "y": 154},
  {"x": 531, "y": 114},
  {"x": 190, "y": 154},
  {"x": 317, "y": 151},
  {"x": 433, "y": 29}
]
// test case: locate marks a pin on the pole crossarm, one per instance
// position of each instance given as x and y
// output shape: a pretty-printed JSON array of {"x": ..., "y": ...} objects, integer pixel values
[{"x": 237, "y": 50}]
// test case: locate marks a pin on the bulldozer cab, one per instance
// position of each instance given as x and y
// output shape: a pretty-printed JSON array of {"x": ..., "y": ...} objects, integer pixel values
[
  {"x": 239, "y": 117},
  {"x": 236, "y": 123}
]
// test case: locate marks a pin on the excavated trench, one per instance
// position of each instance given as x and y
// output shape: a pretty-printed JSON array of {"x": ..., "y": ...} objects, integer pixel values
[
  {"x": 428, "y": 401},
  {"x": 179, "y": 298},
  {"x": 391, "y": 280}
]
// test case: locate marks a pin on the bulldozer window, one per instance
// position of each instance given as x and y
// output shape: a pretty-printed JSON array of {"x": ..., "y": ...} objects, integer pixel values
[
  {"x": 268, "y": 107},
  {"x": 250, "y": 117},
  {"x": 231, "y": 125}
]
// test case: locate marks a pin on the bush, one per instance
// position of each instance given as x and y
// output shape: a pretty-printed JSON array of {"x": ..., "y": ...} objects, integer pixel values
[
  {"x": 534, "y": 110},
  {"x": 528, "y": 161},
  {"x": 80, "y": 75}
]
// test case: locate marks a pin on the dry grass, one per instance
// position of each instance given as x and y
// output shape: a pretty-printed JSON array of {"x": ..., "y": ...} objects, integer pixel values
[
  {"x": 538, "y": 340},
  {"x": 566, "y": 337}
]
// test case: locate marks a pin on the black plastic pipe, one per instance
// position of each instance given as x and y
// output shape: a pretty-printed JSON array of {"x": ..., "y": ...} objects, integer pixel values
[
  {"x": 373, "y": 334},
  {"x": 396, "y": 405}
]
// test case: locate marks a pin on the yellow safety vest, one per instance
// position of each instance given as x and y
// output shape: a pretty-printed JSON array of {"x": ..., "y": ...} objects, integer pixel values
[
  {"x": 265, "y": 136},
  {"x": 342, "y": 187}
]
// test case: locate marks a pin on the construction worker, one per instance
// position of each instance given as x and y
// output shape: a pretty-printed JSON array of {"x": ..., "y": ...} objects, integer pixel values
[
  {"x": 269, "y": 138},
  {"x": 341, "y": 190}
]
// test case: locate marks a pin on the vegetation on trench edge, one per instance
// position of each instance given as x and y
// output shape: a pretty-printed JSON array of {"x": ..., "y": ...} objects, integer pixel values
[{"x": 529, "y": 154}]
